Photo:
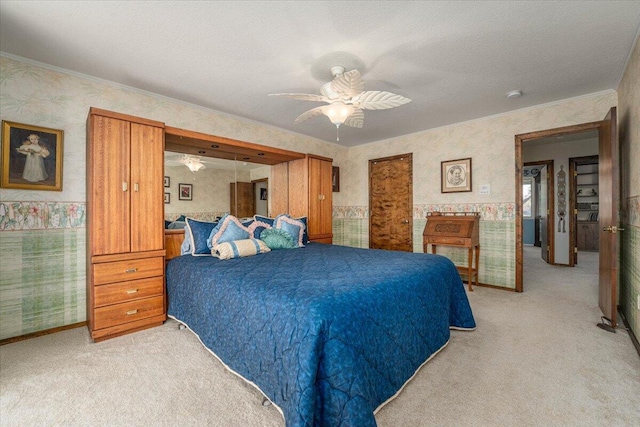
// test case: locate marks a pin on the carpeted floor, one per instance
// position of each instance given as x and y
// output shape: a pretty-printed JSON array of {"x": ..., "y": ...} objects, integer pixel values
[{"x": 536, "y": 359}]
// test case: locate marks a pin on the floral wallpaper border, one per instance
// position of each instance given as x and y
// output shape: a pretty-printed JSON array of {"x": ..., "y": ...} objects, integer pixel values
[
  {"x": 489, "y": 211},
  {"x": 15, "y": 216}
]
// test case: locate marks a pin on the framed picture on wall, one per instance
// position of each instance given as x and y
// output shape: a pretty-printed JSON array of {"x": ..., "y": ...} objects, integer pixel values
[
  {"x": 263, "y": 194},
  {"x": 167, "y": 198},
  {"x": 31, "y": 157},
  {"x": 335, "y": 179},
  {"x": 167, "y": 181},
  {"x": 455, "y": 175},
  {"x": 185, "y": 192}
]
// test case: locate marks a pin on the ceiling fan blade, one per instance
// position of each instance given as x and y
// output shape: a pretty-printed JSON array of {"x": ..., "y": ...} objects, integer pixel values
[
  {"x": 302, "y": 96},
  {"x": 349, "y": 84},
  {"x": 308, "y": 114},
  {"x": 356, "y": 119},
  {"x": 379, "y": 100}
]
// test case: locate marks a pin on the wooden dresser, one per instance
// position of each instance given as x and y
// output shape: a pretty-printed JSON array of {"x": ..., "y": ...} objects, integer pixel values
[
  {"x": 125, "y": 224},
  {"x": 460, "y": 229}
]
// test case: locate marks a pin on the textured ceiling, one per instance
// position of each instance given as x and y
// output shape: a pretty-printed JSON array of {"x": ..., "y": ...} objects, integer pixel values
[{"x": 455, "y": 60}]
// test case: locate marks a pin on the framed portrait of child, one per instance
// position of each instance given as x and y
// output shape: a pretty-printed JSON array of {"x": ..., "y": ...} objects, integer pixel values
[{"x": 31, "y": 157}]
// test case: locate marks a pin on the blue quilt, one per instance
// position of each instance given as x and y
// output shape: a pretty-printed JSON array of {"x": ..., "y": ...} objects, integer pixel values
[{"x": 328, "y": 333}]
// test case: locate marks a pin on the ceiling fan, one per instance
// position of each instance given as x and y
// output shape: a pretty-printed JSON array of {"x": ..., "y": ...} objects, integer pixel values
[
  {"x": 194, "y": 163},
  {"x": 347, "y": 99}
]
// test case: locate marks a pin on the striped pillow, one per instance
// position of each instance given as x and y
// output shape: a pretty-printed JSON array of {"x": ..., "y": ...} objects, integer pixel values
[{"x": 239, "y": 248}]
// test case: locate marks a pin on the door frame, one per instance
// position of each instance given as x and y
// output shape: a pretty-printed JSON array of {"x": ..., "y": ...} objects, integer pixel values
[
  {"x": 519, "y": 141},
  {"x": 551, "y": 201}
]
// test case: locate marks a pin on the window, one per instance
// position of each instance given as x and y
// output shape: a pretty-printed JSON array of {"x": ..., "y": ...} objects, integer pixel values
[{"x": 527, "y": 198}]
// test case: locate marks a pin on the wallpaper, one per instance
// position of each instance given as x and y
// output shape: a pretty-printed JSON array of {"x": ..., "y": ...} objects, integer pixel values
[
  {"x": 50, "y": 226},
  {"x": 629, "y": 131}
]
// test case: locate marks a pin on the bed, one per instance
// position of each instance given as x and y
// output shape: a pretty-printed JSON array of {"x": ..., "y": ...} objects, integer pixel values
[{"x": 328, "y": 333}]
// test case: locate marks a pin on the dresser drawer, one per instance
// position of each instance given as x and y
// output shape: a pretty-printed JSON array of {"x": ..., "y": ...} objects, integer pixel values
[
  {"x": 122, "y": 271},
  {"x": 114, "y": 293},
  {"x": 446, "y": 241},
  {"x": 128, "y": 312}
]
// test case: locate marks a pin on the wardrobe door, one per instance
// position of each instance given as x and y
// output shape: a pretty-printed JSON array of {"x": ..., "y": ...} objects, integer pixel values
[
  {"x": 327, "y": 201},
  {"x": 109, "y": 197},
  {"x": 316, "y": 195},
  {"x": 147, "y": 199}
]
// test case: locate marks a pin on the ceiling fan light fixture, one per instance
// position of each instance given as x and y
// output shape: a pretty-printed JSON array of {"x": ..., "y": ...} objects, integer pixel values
[
  {"x": 193, "y": 163},
  {"x": 337, "y": 112}
]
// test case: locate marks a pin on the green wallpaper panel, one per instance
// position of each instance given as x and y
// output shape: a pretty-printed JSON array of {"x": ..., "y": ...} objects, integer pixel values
[
  {"x": 43, "y": 284},
  {"x": 630, "y": 276}
]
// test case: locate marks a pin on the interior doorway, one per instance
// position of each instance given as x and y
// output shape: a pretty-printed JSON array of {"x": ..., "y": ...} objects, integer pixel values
[{"x": 609, "y": 198}]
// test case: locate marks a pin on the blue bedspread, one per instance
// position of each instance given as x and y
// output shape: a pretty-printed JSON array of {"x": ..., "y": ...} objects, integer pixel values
[{"x": 327, "y": 332}]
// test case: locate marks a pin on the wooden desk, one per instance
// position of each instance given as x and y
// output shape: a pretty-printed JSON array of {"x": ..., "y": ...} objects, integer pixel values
[{"x": 460, "y": 229}]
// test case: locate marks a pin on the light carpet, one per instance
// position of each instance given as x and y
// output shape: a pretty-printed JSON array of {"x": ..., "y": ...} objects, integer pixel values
[{"x": 536, "y": 359}]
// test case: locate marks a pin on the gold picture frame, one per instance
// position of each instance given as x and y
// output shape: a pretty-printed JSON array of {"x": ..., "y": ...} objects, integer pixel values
[
  {"x": 31, "y": 157},
  {"x": 455, "y": 175}
]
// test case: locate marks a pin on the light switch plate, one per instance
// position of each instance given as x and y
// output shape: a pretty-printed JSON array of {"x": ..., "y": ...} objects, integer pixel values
[{"x": 485, "y": 189}]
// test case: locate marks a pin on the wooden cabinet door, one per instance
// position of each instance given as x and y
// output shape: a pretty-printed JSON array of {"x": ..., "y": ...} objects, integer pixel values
[
  {"x": 327, "y": 200},
  {"x": 147, "y": 199},
  {"x": 320, "y": 197},
  {"x": 108, "y": 166}
]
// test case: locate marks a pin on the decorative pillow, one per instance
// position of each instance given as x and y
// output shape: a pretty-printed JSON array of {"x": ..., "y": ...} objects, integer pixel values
[
  {"x": 181, "y": 218},
  {"x": 294, "y": 227},
  {"x": 271, "y": 222},
  {"x": 239, "y": 248},
  {"x": 257, "y": 227},
  {"x": 275, "y": 238},
  {"x": 228, "y": 229},
  {"x": 198, "y": 232}
]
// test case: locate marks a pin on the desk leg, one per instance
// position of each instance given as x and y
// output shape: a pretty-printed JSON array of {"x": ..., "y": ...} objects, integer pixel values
[
  {"x": 470, "y": 268},
  {"x": 477, "y": 264}
]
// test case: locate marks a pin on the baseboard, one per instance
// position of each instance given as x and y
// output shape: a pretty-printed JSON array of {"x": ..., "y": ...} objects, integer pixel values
[
  {"x": 633, "y": 337},
  {"x": 41, "y": 333},
  {"x": 484, "y": 285}
]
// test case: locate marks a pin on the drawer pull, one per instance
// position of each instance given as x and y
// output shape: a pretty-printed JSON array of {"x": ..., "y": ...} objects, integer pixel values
[
  {"x": 132, "y": 291},
  {"x": 131, "y": 270},
  {"x": 131, "y": 312}
]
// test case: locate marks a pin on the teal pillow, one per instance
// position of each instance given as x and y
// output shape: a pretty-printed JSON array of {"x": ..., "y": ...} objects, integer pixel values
[{"x": 275, "y": 238}]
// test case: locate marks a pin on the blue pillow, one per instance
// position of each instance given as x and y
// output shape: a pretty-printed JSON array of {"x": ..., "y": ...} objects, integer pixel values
[
  {"x": 275, "y": 238},
  {"x": 228, "y": 229},
  {"x": 294, "y": 227},
  {"x": 198, "y": 232},
  {"x": 271, "y": 222}
]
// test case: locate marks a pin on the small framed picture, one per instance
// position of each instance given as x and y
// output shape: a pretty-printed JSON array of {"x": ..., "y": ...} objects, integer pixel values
[
  {"x": 167, "y": 181},
  {"x": 167, "y": 198},
  {"x": 185, "y": 192},
  {"x": 263, "y": 194},
  {"x": 455, "y": 175},
  {"x": 31, "y": 157}
]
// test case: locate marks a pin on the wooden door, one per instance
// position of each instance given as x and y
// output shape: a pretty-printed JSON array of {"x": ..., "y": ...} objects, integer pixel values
[
  {"x": 147, "y": 198},
  {"x": 609, "y": 186},
  {"x": 391, "y": 203},
  {"x": 544, "y": 213},
  {"x": 108, "y": 166},
  {"x": 320, "y": 197},
  {"x": 242, "y": 199}
]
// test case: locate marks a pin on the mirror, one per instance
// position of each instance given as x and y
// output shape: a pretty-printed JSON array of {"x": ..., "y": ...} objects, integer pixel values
[{"x": 220, "y": 186}]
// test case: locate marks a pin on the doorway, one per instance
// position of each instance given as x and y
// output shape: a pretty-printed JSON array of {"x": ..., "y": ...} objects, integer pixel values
[
  {"x": 541, "y": 208},
  {"x": 391, "y": 203},
  {"x": 608, "y": 177}
]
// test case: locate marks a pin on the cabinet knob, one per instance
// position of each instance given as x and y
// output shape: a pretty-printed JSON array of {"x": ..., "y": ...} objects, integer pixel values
[
  {"x": 132, "y": 312},
  {"x": 132, "y": 291},
  {"x": 131, "y": 270},
  {"x": 125, "y": 186}
]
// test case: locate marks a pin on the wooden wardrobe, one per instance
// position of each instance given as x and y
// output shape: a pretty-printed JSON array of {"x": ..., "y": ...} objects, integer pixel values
[
  {"x": 125, "y": 224},
  {"x": 310, "y": 194}
]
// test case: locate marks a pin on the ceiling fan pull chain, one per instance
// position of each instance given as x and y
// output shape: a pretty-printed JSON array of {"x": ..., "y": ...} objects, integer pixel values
[{"x": 338, "y": 132}]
